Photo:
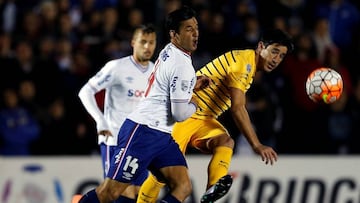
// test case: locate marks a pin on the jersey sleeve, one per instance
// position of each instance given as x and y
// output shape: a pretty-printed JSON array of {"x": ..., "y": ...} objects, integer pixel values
[
  {"x": 240, "y": 74},
  {"x": 104, "y": 78},
  {"x": 236, "y": 80},
  {"x": 182, "y": 84}
]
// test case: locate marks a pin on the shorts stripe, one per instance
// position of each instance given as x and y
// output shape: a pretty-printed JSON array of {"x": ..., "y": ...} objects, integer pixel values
[{"x": 125, "y": 150}]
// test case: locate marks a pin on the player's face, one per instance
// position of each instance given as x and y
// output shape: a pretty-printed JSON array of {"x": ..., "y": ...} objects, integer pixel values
[
  {"x": 188, "y": 35},
  {"x": 272, "y": 56},
  {"x": 144, "y": 46}
]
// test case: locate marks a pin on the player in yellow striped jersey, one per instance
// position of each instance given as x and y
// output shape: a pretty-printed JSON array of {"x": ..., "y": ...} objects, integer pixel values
[{"x": 232, "y": 75}]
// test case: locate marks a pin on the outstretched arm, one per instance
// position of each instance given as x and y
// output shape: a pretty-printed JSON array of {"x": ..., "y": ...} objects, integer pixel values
[{"x": 243, "y": 122}]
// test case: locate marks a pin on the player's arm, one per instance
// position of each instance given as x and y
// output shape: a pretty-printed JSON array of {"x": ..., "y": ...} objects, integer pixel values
[
  {"x": 242, "y": 120},
  {"x": 87, "y": 97},
  {"x": 183, "y": 105},
  {"x": 182, "y": 110}
]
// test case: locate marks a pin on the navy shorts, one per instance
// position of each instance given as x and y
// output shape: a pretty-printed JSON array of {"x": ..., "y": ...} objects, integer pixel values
[
  {"x": 106, "y": 153},
  {"x": 141, "y": 148}
]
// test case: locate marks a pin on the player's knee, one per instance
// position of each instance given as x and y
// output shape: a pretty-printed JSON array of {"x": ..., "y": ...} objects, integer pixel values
[
  {"x": 131, "y": 191},
  {"x": 184, "y": 188},
  {"x": 105, "y": 193},
  {"x": 229, "y": 142},
  {"x": 187, "y": 188},
  {"x": 221, "y": 141},
  {"x": 109, "y": 191}
]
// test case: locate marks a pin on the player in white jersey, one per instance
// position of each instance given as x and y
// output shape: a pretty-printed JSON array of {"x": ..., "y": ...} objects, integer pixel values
[
  {"x": 145, "y": 141},
  {"x": 173, "y": 67},
  {"x": 124, "y": 81}
]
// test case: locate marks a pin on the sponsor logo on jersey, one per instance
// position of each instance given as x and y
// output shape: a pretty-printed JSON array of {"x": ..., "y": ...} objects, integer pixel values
[
  {"x": 184, "y": 85},
  {"x": 118, "y": 156},
  {"x": 106, "y": 79},
  {"x": 99, "y": 74},
  {"x": 248, "y": 68},
  {"x": 192, "y": 82},
  {"x": 154, "y": 123},
  {"x": 129, "y": 79},
  {"x": 127, "y": 175},
  {"x": 164, "y": 56},
  {"x": 135, "y": 93},
  {"x": 173, "y": 84}
]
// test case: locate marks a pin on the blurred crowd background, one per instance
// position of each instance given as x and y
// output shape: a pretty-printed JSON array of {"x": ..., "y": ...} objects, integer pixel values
[{"x": 50, "y": 48}]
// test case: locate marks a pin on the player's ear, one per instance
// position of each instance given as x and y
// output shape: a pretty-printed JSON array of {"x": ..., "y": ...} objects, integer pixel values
[
  {"x": 172, "y": 33},
  {"x": 261, "y": 45}
]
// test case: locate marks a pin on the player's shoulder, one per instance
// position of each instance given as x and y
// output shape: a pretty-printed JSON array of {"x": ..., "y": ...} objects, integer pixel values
[
  {"x": 171, "y": 53},
  {"x": 241, "y": 55},
  {"x": 242, "y": 52},
  {"x": 125, "y": 59},
  {"x": 116, "y": 64}
]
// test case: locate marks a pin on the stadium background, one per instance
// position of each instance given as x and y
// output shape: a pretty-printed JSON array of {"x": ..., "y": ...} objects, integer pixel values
[{"x": 50, "y": 48}]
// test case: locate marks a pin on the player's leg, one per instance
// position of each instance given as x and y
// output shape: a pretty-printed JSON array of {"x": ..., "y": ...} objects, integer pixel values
[
  {"x": 130, "y": 193},
  {"x": 125, "y": 165},
  {"x": 213, "y": 138},
  {"x": 218, "y": 190},
  {"x": 108, "y": 191},
  {"x": 219, "y": 182},
  {"x": 113, "y": 185},
  {"x": 174, "y": 170},
  {"x": 149, "y": 190},
  {"x": 179, "y": 183},
  {"x": 222, "y": 151}
]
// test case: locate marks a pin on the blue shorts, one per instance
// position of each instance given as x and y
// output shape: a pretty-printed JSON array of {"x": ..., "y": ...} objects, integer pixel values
[
  {"x": 106, "y": 153},
  {"x": 140, "y": 149}
]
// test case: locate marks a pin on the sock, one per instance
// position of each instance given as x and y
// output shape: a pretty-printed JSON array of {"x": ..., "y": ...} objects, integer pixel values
[
  {"x": 89, "y": 197},
  {"x": 169, "y": 199},
  {"x": 123, "y": 199},
  {"x": 219, "y": 164},
  {"x": 149, "y": 190}
]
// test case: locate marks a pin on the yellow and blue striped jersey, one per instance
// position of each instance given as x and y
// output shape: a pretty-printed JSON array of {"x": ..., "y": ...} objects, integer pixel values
[{"x": 234, "y": 69}]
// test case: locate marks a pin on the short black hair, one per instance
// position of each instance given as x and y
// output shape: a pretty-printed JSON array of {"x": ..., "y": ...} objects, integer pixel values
[
  {"x": 174, "y": 19},
  {"x": 277, "y": 36}
]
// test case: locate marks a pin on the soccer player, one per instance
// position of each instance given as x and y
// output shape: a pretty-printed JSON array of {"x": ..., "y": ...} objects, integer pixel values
[
  {"x": 145, "y": 140},
  {"x": 232, "y": 75},
  {"x": 124, "y": 81}
]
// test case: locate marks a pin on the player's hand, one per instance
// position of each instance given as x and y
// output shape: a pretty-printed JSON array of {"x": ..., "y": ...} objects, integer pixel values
[
  {"x": 202, "y": 81},
  {"x": 268, "y": 155},
  {"x": 106, "y": 133},
  {"x": 194, "y": 101}
]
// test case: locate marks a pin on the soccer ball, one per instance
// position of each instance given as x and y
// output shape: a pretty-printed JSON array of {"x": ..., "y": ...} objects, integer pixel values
[{"x": 324, "y": 85}]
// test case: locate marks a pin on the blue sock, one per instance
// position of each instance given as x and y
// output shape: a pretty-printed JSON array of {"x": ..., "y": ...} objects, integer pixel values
[
  {"x": 169, "y": 199},
  {"x": 123, "y": 199},
  {"x": 89, "y": 197}
]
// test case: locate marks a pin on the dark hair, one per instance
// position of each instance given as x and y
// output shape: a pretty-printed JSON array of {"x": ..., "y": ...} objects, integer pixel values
[
  {"x": 277, "y": 36},
  {"x": 175, "y": 18},
  {"x": 145, "y": 28}
]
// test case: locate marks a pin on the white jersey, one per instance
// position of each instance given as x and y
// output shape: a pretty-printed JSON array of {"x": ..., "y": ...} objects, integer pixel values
[
  {"x": 124, "y": 82},
  {"x": 173, "y": 80}
]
